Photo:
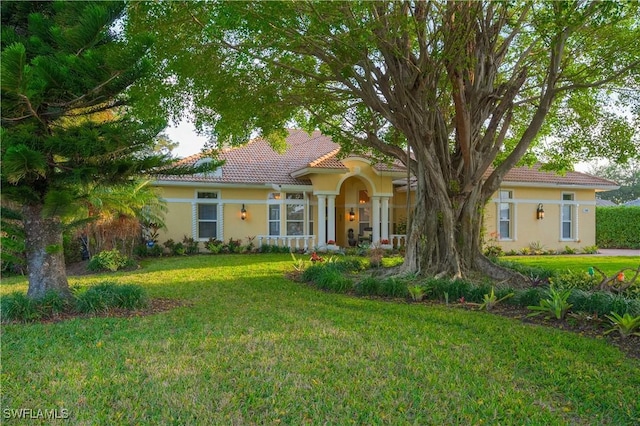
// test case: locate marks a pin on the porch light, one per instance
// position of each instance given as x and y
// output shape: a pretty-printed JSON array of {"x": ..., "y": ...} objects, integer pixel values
[
  {"x": 540, "y": 212},
  {"x": 243, "y": 213},
  {"x": 352, "y": 215}
]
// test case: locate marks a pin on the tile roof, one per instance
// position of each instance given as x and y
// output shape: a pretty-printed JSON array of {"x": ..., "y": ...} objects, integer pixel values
[
  {"x": 533, "y": 175},
  {"x": 257, "y": 163}
]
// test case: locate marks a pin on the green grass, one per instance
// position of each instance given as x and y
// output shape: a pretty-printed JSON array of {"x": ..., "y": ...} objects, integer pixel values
[
  {"x": 253, "y": 347},
  {"x": 608, "y": 264}
]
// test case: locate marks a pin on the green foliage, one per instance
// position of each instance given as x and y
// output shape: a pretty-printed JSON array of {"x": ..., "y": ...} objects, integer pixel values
[
  {"x": 490, "y": 300},
  {"x": 618, "y": 227},
  {"x": 626, "y": 324},
  {"x": 367, "y": 287},
  {"x": 18, "y": 307},
  {"x": 555, "y": 304},
  {"x": 105, "y": 296},
  {"x": 214, "y": 246},
  {"x": 529, "y": 296},
  {"x": 574, "y": 279},
  {"x": 392, "y": 287},
  {"x": 109, "y": 260},
  {"x": 602, "y": 302},
  {"x": 332, "y": 279},
  {"x": 590, "y": 249},
  {"x": 417, "y": 292},
  {"x": 191, "y": 245}
]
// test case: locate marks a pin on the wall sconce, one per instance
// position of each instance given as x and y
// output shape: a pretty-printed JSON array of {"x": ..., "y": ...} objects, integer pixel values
[
  {"x": 352, "y": 215},
  {"x": 243, "y": 213},
  {"x": 540, "y": 212}
]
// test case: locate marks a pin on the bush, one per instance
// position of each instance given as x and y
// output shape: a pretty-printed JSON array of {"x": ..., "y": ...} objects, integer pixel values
[
  {"x": 393, "y": 287},
  {"x": 602, "y": 303},
  {"x": 367, "y": 287},
  {"x": 109, "y": 260},
  {"x": 574, "y": 279},
  {"x": 105, "y": 296},
  {"x": 618, "y": 227},
  {"x": 18, "y": 307},
  {"x": 530, "y": 296},
  {"x": 332, "y": 279}
]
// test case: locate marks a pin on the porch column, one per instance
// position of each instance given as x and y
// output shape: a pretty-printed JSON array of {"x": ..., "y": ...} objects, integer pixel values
[
  {"x": 384, "y": 235},
  {"x": 375, "y": 219},
  {"x": 322, "y": 230},
  {"x": 331, "y": 223}
]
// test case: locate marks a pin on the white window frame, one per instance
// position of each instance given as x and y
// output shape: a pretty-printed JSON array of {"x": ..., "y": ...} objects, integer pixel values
[
  {"x": 295, "y": 202},
  {"x": 572, "y": 216},
  {"x": 275, "y": 199},
  {"x": 202, "y": 200},
  {"x": 509, "y": 201}
]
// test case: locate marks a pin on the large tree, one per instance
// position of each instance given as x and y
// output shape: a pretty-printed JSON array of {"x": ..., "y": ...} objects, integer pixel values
[
  {"x": 460, "y": 91},
  {"x": 68, "y": 118}
]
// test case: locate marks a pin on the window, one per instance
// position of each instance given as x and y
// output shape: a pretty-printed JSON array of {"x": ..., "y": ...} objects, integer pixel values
[
  {"x": 364, "y": 213},
  {"x": 566, "y": 218},
  {"x": 505, "y": 215},
  {"x": 207, "y": 215},
  {"x": 294, "y": 208},
  {"x": 274, "y": 219}
]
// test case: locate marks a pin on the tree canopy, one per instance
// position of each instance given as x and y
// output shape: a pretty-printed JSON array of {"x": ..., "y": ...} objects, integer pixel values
[{"x": 459, "y": 91}]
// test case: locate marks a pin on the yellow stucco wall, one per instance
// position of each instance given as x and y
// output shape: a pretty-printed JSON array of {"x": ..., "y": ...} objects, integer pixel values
[
  {"x": 546, "y": 232},
  {"x": 346, "y": 187}
]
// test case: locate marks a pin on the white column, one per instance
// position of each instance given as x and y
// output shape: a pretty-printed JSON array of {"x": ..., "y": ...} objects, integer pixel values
[
  {"x": 321, "y": 220},
  {"x": 385, "y": 218},
  {"x": 375, "y": 218},
  {"x": 331, "y": 224}
]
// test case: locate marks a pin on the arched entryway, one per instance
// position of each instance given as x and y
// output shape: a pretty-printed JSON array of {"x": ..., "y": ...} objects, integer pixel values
[{"x": 356, "y": 205}]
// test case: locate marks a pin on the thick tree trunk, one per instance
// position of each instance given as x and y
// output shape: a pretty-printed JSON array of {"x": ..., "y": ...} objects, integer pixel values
[
  {"x": 45, "y": 256},
  {"x": 445, "y": 239}
]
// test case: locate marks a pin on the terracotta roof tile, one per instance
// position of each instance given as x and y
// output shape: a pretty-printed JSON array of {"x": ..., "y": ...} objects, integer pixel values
[
  {"x": 257, "y": 163},
  {"x": 535, "y": 175}
]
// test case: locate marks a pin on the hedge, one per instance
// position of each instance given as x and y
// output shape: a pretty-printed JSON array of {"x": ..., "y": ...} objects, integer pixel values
[{"x": 618, "y": 227}]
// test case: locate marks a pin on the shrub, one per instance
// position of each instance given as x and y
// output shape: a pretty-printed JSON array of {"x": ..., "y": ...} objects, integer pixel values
[
  {"x": 590, "y": 250},
  {"x": 18, "y": 307},
  {"x": 330, "y": 278},
  {"x": 625, "y": 324},
  {"x": 530, "y": 296},
  {"x": 574, "y": 279},
  {"x": 109, "y": 260},
  {"x": 393, "y": 287},
  {"x": 52, "y": 303},
  {"x": 367, "y": 287},
  {"x": 107, "y": 295},
  {"x": 618, "y": 227},
  {"x": 556, "y": 304},
  {"x": 191, "y": 246},
  {"x": 602, "y": 303}
]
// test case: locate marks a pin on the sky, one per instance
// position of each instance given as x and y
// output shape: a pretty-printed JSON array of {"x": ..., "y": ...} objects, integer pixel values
[{"x": 185, "y": 134}]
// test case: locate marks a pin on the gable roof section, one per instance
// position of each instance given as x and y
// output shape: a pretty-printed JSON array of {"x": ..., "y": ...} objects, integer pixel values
[
  {"x": 257, "y": 163},
  {"x": 533, "y": 176}
]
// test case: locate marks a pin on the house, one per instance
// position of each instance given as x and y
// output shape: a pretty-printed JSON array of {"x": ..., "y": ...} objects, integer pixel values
[{"x": 308, "y": 197}]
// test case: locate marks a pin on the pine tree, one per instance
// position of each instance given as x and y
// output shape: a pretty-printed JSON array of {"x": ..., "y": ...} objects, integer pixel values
[{"x": 69, "y": 118}]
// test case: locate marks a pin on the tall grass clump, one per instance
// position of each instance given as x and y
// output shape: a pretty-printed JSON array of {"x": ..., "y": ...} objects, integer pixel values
[
  {"x": 18, "y": 307},
  {"x": 107, "y": 295},
  {"x": 603, "y": 303}
]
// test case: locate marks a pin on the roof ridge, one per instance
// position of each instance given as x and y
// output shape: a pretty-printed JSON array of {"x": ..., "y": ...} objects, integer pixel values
[{"x": 324, "y": 157}]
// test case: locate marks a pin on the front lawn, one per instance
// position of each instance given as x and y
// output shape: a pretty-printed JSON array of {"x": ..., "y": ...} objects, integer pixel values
[
  {"x": 608, "y": 264},
  {"x": 249, "y": 346}
]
